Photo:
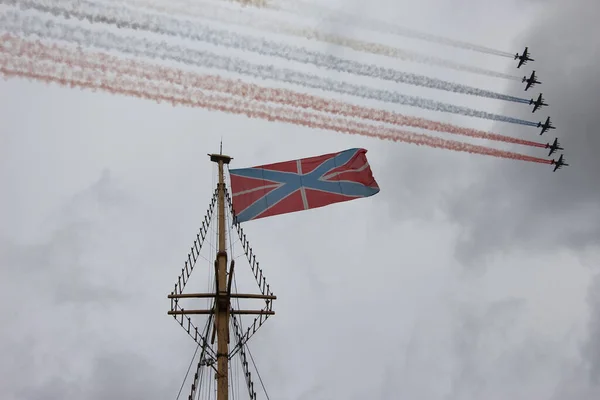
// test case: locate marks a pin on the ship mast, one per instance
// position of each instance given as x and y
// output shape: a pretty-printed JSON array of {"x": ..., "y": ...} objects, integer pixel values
[
  {"x": 223, "y": 289},
  {"x": 222, "y": 312}
]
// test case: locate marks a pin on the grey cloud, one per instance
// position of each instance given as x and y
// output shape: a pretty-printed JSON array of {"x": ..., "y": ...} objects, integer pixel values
[
  {"x": 69, "y": 300},
  {"x": 515, "y": 205},
  {"x": 582, "y": 380},
  {"x": 528, "y": 206},
  {"x": 113, "y": 376},
  {"x": 105, "y": 194},
  {"x": 420, "y": 184},
  {"x": 503, "y": 203},
  {"x": 473, "y": 330},
  {"x": 591, "y": 349},
  {"x": 63, "y": 258},
  {"x": 475, "y": 350}
]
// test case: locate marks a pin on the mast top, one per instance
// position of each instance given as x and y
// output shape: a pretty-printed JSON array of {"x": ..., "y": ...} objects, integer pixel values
[{"x": 220, "y": 157}]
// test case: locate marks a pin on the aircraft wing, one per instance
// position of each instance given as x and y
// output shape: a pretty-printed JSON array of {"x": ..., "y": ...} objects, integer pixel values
[{"x": 521, "y": 62}]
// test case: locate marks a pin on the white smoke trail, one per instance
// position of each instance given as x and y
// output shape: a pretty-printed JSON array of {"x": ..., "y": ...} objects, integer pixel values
[
  {"x": 238, "y": 16},
  {"x": 34, "y": 26},
  {"x": 341, "y": 17},
  {"x": 128, "y": 18}
]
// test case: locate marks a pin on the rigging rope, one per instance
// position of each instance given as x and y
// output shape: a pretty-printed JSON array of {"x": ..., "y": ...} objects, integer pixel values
[
  {"x": 194, "y": 253},
  {"x": 257, "y": 373},
  {"x": 188, "y": 372}
]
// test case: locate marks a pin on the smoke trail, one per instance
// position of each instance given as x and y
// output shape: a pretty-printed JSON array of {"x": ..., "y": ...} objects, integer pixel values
[
  {"x": 341, "y": 17},
  {"x": 116, "y": 84},
  {"x": 33, "y": 26},
  {"x": 216, "y": 12},
  {"x": 143, "y": 48},
  {"x": 128, "y": 18},
  {"x": 98, "y": 61}
]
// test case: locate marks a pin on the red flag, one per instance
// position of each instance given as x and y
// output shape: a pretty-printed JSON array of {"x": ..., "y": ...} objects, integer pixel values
[{"x": 302, "y": 184}]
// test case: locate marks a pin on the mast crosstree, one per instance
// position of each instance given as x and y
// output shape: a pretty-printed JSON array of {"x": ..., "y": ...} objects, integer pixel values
[{"x": 221, "y": 315}]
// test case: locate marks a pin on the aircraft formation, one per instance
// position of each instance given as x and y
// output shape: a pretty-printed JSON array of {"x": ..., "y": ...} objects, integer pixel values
[{"x": 537, "y": 104}]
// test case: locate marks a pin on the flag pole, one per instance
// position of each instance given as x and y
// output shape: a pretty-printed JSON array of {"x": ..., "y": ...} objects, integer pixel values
[{"x": 222, "y": 303}]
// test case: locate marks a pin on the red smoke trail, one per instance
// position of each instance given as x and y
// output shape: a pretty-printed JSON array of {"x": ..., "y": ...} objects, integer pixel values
[
  {"x": 16, "y": 46},
  {"x": 117, "y": 84}
]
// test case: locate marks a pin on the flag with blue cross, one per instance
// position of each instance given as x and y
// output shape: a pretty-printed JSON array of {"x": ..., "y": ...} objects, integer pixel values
[{"x": 296, "y": 185}]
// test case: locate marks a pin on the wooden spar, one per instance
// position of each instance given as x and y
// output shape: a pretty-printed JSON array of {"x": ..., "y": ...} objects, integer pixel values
[
  {"x": 211, "y": 311},
  {"x": 232, "y": 295},
  {"x": 222, "y": 299}
]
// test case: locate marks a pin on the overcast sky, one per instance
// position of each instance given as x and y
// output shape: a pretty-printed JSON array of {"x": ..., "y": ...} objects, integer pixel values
[{"x": 465, "y": 278}]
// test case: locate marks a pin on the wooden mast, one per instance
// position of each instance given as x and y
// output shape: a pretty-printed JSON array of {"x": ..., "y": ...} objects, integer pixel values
[
  {"x": 222, "y": 310},
  {"x": 222, "y": 303}
]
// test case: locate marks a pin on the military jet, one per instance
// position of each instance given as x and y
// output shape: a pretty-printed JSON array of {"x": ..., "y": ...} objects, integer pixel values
[
  {"x": 523, "y": 58},
  {"x": 530, "y": 81},
  {"x": 559, "y": 164},
  {"x": 553, "y": 147},
  {"x": 545, "y": 126},
  {"x": 537, "y": 103}
]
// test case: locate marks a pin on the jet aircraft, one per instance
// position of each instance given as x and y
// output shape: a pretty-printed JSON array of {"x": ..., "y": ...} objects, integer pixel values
[
  {"x": 545, "y": 126},
  {"x": 532, "y": 80},
  {"x": 537, "y": 103},
  {"x": 559, "y": 164},
  {"x": 553, "y": 147},
  {"x": 523, "y": 58}
]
